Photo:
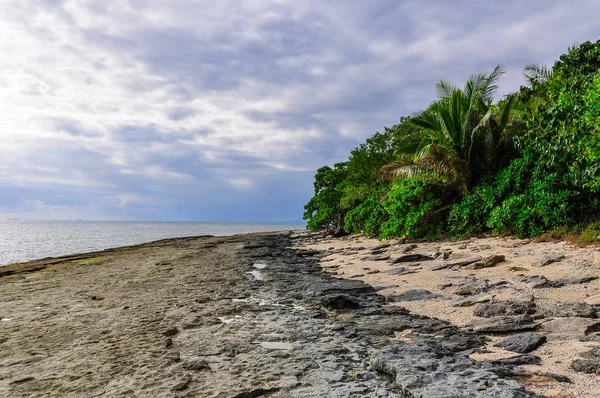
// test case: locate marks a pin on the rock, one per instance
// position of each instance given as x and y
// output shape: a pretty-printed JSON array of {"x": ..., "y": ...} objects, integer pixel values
[
  {"x": 518, "y": 360},
  {"x": 549, "y": 259},
  {"x": 567, "y": 328},
  {"x": 522, "y": 343},
  {"x": 340, "y": 302},
  {"x": 380, "y": 257},
  {"x": 540, "y": 282},
  {"x": 592, "y": 329},
  {"x": 381, "y": 246},
  {"x": 589, "y": 362},
  {"x": 576, "y": 281},
  {"x": 172, "y": 331},
  {"x": 505, "y": 308},
  {"x": 173, "y": 356},
  {"x": 183, "y": 384},
  {"x": 408, "y": 248},
  {"x": 481, "y": 247},
  {"x": 196, "y": 364},
  {"x": 413, "y": 295},
  {"x": 429, "y": 371},
  {"x": 472, "y": 300},
  {"x": 581, "y": 310},
  {"x": 464, "y": 261},
  {"x": 22, "y": 380},
  {"x": 489, "y": 261},
  {"x": 517, "y": 269},
  {"x": 504, "y": 324},
  {"x": 375, "y": 271},
  {"x": 412, "y": 257},
  {"x": 400, "y": 271},
  {"x": 470, "y": 288}
]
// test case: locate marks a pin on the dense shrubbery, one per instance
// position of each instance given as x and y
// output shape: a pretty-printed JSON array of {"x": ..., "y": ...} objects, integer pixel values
[{"x": 525, "y": 165}]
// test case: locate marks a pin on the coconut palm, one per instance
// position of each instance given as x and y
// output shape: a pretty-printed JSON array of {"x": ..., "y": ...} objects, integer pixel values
[
  {"x": 460, "y": 127},
  {"x": 537, "y": 73}
]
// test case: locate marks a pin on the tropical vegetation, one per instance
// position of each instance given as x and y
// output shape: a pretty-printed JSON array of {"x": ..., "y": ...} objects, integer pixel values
[{"x": 525, "y": 164}]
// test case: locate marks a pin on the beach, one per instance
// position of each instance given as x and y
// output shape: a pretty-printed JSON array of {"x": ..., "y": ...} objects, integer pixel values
[{"x": 284, "y": 314}]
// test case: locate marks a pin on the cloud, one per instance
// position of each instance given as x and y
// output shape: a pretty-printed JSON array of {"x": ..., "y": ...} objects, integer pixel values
[{"x": 223, "y": 110}]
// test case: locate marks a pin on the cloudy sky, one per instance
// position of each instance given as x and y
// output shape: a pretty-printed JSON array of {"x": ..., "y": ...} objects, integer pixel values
[{"x": 223, "y": 110}]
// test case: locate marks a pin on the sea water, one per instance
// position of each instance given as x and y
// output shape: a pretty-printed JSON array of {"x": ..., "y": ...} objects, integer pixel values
[{"x": 29, "y": 240}]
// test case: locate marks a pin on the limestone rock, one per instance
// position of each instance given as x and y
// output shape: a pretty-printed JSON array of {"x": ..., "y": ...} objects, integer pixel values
[
  {"x": 505, "y": 324},
  {"x": 549, "y": 259},
  {"x": 522, "y": 343},
  {"x": 505, "y": 308},
  {"x": 413, "y": 295},
  {"x": 472, "y": 300}
]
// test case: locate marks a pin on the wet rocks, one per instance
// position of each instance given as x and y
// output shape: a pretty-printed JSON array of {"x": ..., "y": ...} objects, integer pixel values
[
  {"x": 413, "y": 295},
  {"x": 340, "y": 302},
  {"x": 500, "y": 324},
  {"x": 430, "y": 371},
  {"x": 505, "y": 308},
  {"x": 522, "y": 343}
]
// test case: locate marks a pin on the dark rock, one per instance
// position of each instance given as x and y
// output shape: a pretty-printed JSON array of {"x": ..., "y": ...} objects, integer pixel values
[
  {"x": 375, "y": 271},
  {"x": 381, "y": 246},
  {"x": 540, "y": 282},
  {"x": 413, "y": 295},
  {"x": 549, "y": 259},
  {"x": 428, "y": 370},
  {"x": 517, "y": 269},
  {"x": 340, "y": 302},
  {"x": 522, "y": 343},
  {"x": 505, "y": 308},
  {"x": 412, "y": 257},
  {"x": 470, "y": 288},
  {"x": 408, "y": 248},
  {"x": 183, "y": 384},
  {"x": 172, "y": 331},
  {"x": 589, "y": 362},
  {"x": 561, "y": 310},
  {"x": 382, "y": 257},
  {"x": 173, "y": 356},
  {"x": 576, "y": 281},
  {"x": 592, "y": 329},
  {"x": 518, "y": 360},
  {"x": 500, "y": 324}
]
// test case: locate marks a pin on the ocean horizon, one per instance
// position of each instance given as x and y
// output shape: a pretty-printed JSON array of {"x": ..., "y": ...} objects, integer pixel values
[{"x": 26, "y": 240}]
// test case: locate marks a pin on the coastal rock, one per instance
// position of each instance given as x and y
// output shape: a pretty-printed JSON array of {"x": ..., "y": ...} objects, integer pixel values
[
  {"x": 340, "y": 302},
  {"x": 429, "y": 371},
  {"x": 172, "y": 331},
  {"x": 400, "y": 271},
  {"x": 549, "y": 259},
  {"x": 517, "y": 360},
  {"x": 376, "y": 257},
  {"x": 540, "y": 282},
  {"x": 504, "y": 324},
  {"x": 472, "y": 300},
  {"x": 464, "y": 261},
  {"x": 413, "y": 295},
  {"x": 470, "y": 288},
  {"x": 408, "y": 248},
  {"x": 589, "y": 362},
  {"x": 505, "y": 308},
  {"x": 381, "y": 246},
  {"x": 411, "y": 257},
  {"x": 489, "y": 261},
  {"x": 522, "y": 343},
  {"x": 577, "y": 280},
  {"x": 581, "y": 310}
]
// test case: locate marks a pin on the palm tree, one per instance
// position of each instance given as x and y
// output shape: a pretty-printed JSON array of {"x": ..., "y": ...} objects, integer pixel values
[
  {"x": 460, "y": 127},
  {"x": 537, "y": 73}
]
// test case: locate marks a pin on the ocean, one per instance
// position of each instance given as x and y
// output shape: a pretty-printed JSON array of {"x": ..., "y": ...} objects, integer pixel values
[{"x": 30, "y": 240}]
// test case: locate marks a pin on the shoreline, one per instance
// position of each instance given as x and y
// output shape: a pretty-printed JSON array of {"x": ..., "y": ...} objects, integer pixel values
[{"x": 243, "y": 315}]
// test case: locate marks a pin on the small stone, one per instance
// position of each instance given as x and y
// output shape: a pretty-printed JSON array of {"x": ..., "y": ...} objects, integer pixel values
[
  {"x": 381, "y": 246},
  {"x": 522, "y": 343},
  {"x": 413, "y": 295},
  {"x": 340, "y": 302},
  {"x": 196, "y": 364},
  {"x": 172, "y": 331},
  {"x": 173, "y": 356},
  {"x": 472, "y": 300},
  {"x": 489, "y": 261},
  {"x": 183, "y": 384},
  {"x": 549, "y": 259},
  {"x": 517, "y": 269},
  {"x": 412, "y": 257},
  {"x": 400, "y": 271}
]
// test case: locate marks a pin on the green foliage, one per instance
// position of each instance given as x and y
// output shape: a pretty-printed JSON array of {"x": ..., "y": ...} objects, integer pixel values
[
  {"x": 368, "y": 216},
  {"x": 525, "y": 165},
  {"x": 411, "y": 204}
]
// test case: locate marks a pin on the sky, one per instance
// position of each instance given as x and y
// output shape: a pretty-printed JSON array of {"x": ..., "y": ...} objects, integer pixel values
[{"x": 223, "y": 110}]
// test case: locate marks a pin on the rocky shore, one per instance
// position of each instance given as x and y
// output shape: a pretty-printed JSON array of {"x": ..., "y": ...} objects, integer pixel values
[
  {"x": 251, "y": 316},
  {"x": 534, "y": 302}
]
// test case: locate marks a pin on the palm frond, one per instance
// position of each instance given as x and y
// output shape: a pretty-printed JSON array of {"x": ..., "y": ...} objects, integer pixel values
[
  {"x": 537, "y": 73},
  {"x": 491, "y": 83},
  {"x": 445, "y": 89}
]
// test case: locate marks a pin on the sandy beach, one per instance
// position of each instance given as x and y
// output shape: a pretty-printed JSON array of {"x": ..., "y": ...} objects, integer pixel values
[{"x": 256, "y": 315}]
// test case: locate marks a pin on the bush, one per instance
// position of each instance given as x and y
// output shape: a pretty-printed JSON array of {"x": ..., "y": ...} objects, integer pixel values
[{"x": 369, "y": 215}]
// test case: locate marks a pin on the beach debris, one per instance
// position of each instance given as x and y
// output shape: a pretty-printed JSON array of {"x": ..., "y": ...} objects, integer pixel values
[{"x": 522, "y": 343}]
